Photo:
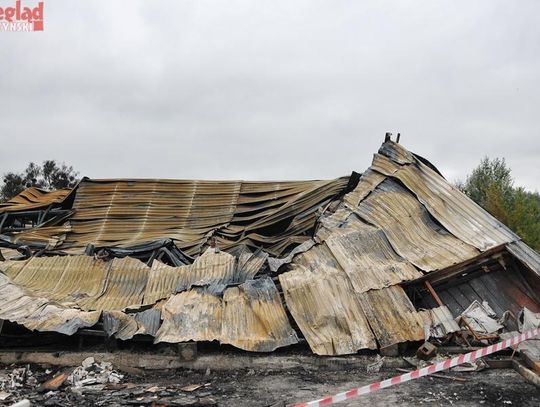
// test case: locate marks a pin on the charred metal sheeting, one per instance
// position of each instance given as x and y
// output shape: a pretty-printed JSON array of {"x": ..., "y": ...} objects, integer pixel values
[
  {"x": 336, "y": 320},
  {"x": 366, "y": 256},
  {"x": 327, "y": 311},
  {"x": 194, "y": 315},
  {"x": 33, "y": 198},
  {"x": 394, "y": 319},
  {"x": 410, "y": 230},
  {"x": 440, "y": 320},
  {"x": 123, "y": 213},
  {"x": 254, "y": 317},
  {"x": 126, "y": 326},
  {"x": 92, "y": 284},
  {"x": 392, "y": 316},
  {"x": 369, "y": 181},
  {"x": 210, "y": 268},
  {"x": 82, "y": 281},
  {"x": 249, "y": 263},
  {"x": 402, "y": 220},
  {"x": 275, "y": 263},
  {"x": 250, "y": 317},
  {"x": 67, "y": 280},
  {"x": 456, "y": 212},
  {"x": 37, "y": 313}
]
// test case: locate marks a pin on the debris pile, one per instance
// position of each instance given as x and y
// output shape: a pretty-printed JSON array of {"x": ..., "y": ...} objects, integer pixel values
[{"x": 92, "y": 373}]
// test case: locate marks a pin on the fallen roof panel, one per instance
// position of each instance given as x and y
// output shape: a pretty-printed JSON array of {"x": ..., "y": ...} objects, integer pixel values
[
  {"x": 410, "y": 229},
  {"x": 123, "y": 213},
  {"x": 33, "y": 198},
  {"x": 455, "y": 211},
  {"x": 250, "y": 317},
  {"x": 36, "y": 313},
  {"x": 327, "y": 311}
]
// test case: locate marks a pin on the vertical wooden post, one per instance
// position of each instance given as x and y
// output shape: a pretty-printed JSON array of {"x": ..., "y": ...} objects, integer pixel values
[{"x": 433, "y": 293}]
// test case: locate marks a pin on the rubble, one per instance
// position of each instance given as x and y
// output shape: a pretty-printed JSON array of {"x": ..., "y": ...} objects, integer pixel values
[
  {"x": 481, "y": 318},
  {"x": 92, "y": 373},
  {"x": 263, "y": 387}
]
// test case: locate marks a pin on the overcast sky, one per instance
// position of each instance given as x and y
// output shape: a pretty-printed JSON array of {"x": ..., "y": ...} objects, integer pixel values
[{"x": 271, "y": 89}]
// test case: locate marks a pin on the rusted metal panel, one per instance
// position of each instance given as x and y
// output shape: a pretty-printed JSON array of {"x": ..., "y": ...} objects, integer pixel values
[
  {"x": 410, "y": 229},
  {"x": 392, "y": 316},
  {"x": 327, "y": 311},
  {"x": 124, "y": 287},
  {"x": 456, "y": 212},
  {"x": 210, "y": 268},
  {"x": 401, "y": 221},
  {"x": 254, "y": 318},
  {"x": 34, "y": 198},
  {"x": 93, "y": 284},
  {"x": 83, "y": 281},
  {"x": 368, "y": 182},
  {"x": 366, "y": 256},
  {"x": 37, "y": 313},
  {"x": 249, "y": 263},
  {"x": 124, "y": 213},
  {"x": 125, "y": 326},
  {"x": 193, "y": 315},
  {"x": 63, "y": 279},
  {"x": 250, "y": 317}
]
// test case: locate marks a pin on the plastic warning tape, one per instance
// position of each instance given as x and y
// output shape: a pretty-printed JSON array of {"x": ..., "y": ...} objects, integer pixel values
[{"x": 437, "y": 367}]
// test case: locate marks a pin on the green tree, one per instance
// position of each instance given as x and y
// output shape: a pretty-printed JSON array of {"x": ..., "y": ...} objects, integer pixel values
[
  {"x": 491, "y": 186},
  {"x": 49, "y": 176}
]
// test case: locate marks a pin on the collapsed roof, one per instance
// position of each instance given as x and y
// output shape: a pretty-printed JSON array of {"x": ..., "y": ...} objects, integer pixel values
[{"x": 347, "y": 264}]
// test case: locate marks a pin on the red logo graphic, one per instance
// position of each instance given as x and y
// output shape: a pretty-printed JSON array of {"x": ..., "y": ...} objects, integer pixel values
[{"x": 21, "y": 18}]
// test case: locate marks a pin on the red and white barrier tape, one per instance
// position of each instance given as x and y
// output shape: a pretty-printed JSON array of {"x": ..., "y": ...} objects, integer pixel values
[{"x": 437, "y": 367}]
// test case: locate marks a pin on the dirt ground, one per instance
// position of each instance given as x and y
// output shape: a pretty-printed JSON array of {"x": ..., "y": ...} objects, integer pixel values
[{"x": 265, "y": 388}]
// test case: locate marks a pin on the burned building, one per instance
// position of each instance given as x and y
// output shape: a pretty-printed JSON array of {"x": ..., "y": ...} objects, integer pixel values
[{"x": 393, "y": 255}]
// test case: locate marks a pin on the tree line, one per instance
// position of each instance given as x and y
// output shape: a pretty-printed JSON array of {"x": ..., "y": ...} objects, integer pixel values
[
  {"x": 49, "y": 176},
  {"x": 491, "y": 186}
]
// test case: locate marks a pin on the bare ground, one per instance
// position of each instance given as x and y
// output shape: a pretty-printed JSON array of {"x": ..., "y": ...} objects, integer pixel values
[{"x": 251, "y": 387}]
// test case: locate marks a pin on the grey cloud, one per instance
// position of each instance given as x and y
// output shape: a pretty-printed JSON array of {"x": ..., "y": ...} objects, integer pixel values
[{"x": 271, "y": 90}]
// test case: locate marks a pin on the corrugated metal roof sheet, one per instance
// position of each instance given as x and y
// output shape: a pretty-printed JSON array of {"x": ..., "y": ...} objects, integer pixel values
[
  {"x": 69, "y": 280},
  {"x": 410, "y": 229},
  {"x": 254, "y": 318},
  {"x": 367, "y": 257},
  {"x": 327, "y": 311},
  {"x": 125, "y": 326},
  {"x": 124, "y": 213},
  {"x": 37, "y": 313},
  {"x": 250, "y": 317},
  {"x": 392, "y": 316},
  {"x": 193, "y": 315},
  {"x": 34, "y": 198},
  {"x": 456, "y": 212},
  {"x": 337, "y": 320},
  {"x": 93, "y": 284},
  {"x": 210, "y": 268}
]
